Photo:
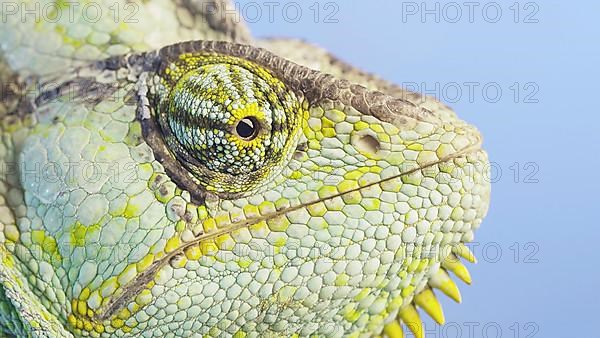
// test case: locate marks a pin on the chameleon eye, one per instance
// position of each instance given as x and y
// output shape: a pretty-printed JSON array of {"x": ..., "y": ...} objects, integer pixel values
[
  {"x": 229, "y": 122},
  {"x": 247, "y": 128}
]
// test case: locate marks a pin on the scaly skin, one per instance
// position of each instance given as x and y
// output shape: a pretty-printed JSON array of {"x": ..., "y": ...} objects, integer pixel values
[{"x": 217, "y": 189}]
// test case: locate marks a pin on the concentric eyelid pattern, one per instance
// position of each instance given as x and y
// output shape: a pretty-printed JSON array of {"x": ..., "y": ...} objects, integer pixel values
[{"x": 202, "y": 97}]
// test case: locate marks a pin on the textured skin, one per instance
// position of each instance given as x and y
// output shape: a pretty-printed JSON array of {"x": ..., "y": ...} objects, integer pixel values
[{"x": 107, "y": 230}]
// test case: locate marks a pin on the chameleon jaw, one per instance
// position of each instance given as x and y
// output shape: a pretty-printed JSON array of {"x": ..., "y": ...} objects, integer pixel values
[{"x": 425, "y": 300}]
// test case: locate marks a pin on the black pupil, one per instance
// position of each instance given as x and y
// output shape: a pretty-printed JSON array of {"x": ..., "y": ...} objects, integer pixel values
[{"x": 247, "y": 128}]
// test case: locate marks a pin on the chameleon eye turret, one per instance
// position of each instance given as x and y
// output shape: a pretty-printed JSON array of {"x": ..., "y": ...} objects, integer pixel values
[{"x": 229, "y": 122}]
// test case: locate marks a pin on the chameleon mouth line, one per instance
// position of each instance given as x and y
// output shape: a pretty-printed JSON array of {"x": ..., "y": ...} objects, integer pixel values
[{"x": 132, "y": 288}]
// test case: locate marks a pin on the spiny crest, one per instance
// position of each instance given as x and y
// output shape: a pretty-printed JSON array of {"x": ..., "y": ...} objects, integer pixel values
[{"x": 427, "y": 299}]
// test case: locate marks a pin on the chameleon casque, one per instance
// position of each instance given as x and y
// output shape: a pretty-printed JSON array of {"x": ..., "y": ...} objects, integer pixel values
[{"x": 221, "y": 186}]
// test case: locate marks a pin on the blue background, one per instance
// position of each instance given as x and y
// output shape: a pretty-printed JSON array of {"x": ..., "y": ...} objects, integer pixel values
[{"x": 545, "y": 282}]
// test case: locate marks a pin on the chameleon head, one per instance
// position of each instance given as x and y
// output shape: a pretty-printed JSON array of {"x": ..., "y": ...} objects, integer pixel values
[{"x": 266, "y": 198}]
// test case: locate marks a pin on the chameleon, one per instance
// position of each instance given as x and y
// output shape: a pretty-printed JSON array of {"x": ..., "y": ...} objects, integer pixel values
[{"x": 168, "y": 174}]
